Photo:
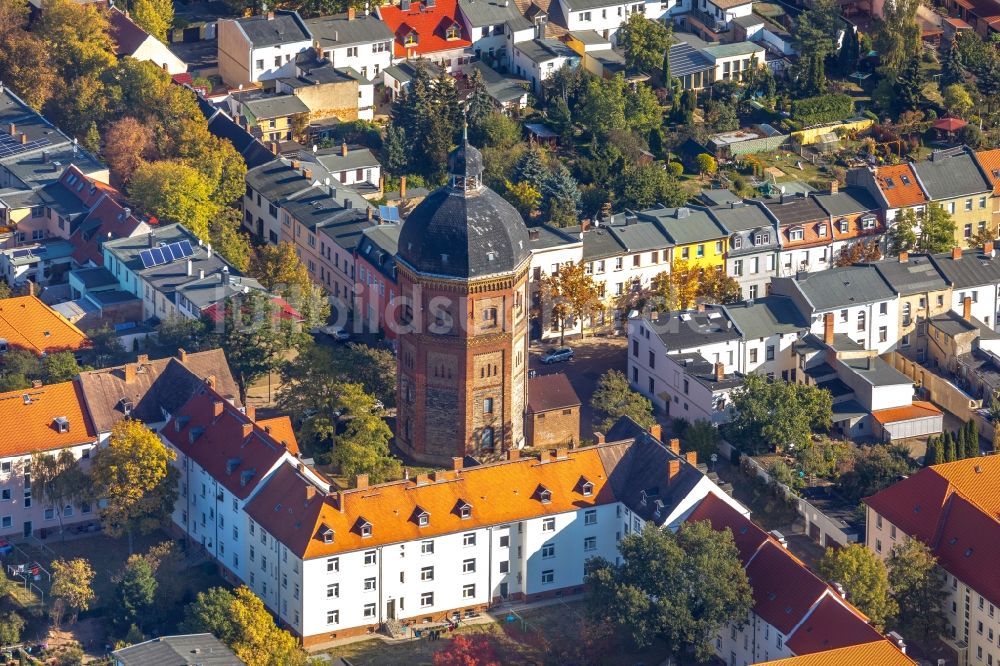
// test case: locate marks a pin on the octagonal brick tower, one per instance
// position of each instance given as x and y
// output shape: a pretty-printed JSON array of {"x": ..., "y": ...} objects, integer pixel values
[{"x": 463, "y": 347}]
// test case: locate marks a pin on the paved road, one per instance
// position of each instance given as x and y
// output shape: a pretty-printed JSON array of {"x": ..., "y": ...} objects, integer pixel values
[{"x": 594, "y": 357}]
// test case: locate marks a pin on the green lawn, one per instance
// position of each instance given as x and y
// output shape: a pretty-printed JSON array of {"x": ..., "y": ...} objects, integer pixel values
[{"x": 551, "y": 634}]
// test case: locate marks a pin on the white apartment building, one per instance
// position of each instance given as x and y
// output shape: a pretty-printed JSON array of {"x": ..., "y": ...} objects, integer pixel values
[
  {"x": 261, "y": 48},
  {"x": 602, "y": 16},
  {"x": 363, "y": 43},
  {"x": 973, "y": 273},
  {"x": 953, "y": 509}
]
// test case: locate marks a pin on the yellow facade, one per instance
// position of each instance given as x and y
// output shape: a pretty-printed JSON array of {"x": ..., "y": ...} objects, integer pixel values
[
  {"x": 709, "y": 254},
  {"x": 971, "y": 214}
]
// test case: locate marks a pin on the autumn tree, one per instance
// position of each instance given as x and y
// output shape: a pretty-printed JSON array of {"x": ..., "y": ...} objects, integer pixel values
[
  {"x": 680, "y": 587},
  {"x": 240, "y": 620},
  {"x": 569, "y": 294},
  {"x": 11, "y": 626},
  {"x": 135, "y": 479},
  {"x": 71, "y": 587},
  {"x": 467, "y": 651},
  {"x": 917, "y": 585},
  {"x": 717, "y": 287},
  {"x": 154, "y": 16},
  {"x": 127, "y": 145},
  {"x": 707, "y": 166},
  {"x": 279, "y": 269},
  {"x": 865, "y": 580},
  {"x": 59, "y": 480},
  {"x": 174, "y": 191},
  {"x": 24, "y": 64},
  {"x": 614, "y": 398},
  {"x": 523, "y": 197},
  {"x": 228, "y": 238},
  {"x": 859, "y": 252}
]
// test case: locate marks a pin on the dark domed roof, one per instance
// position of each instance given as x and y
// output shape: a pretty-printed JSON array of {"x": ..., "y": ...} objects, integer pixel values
[{"x": 464, "y": 230}]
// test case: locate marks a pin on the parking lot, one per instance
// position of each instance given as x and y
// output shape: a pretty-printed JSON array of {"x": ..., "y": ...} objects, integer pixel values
[{"x": 592, "y": 358}]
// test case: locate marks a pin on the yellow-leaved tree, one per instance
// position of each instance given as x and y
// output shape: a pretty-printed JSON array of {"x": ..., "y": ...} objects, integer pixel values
[
  {"x": 71, "y": 587},
  {"x": 134, "y": 479}
]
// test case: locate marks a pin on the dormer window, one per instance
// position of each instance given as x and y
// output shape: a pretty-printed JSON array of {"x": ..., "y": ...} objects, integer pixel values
[
  {"x": 421, "y": 517},
  {"x": 737, "y": 242},
  {"x": 464, "y": 510},
  {"x": 62, "y": 424},
  {"x": 543, "y": 494},
  {"x": 822, "y": 230},
  {"x": 643, "y": 497},
  {"x": 327, "y": 535},
  {"x": 844, "y": 225},
  {"x": 411, "y": 38},
  {"x": 453, "y": 32},
  {"x": 364, "y": 528},
  {"x": 795, "y": 233},
  {"x": 658, "y": 506},
  {"x": 587, "y": 489}
]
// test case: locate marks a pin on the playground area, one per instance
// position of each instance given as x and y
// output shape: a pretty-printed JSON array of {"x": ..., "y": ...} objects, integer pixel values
[{"x": 553, "y": 633}]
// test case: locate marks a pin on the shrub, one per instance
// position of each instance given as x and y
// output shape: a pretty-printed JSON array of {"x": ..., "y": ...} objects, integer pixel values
[
  {"x": 675, "y": 169},
  {"x": 822, "y": 109}
]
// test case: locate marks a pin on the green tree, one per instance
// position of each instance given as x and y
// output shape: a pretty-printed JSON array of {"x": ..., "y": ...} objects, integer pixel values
[
  {"x": 59, "y": 480},
  {"x": 569, "y": 294},
  {"x": 497, "y": 130},
  {"x": 908, "y": 91},
  {"x": 644, "y": 42},
  {"x": 902, "y": 236},
  {"x": 957, "y": 100},
  {"x": 702, "y": 437},
  {"x": 777, "y": 415},
  {"x": 602, "y": 109},
  {"x": 875, "y": 468},
  {"x": 230, "y": 240},
  {"x": 530, "y": 168},
  {"x": 134, "y": 478},
  {"x": 154, "y": 16},
  {"x": 173, "y": 191},
  {"x": 950, "y": 452},
  {"x": 11, "y": 626},
  {"x": 240, "y": 620},
  {"x": 71, "y": 587},
  {"x": 952, "y": 70},
  {"x": 681, "y": 587},
  {"x": 363, "y": 447},
  {"x": 560, "y": 196},
  {"x": 917, "y": 586},
  {"x": 645, "y": 185},
  {"x": 644, "y": 111},
  {"x": 814, "y": 33},
  {"x": 614, "y": 398},
  {"x": 707, "y": 166},
  {"x": 253, "y": 337},
  {"x": 865, "y": 580},
  {"x": 897, "y": 36},
  {"x": 961, "y": 446},
  {"x": 937, "y": 230},
  {"x": 135, "y": 590},
  {"x": 523, "y": 197},
  {"x": 60, "y": 367},
  {"x": 933, "y": 455}
]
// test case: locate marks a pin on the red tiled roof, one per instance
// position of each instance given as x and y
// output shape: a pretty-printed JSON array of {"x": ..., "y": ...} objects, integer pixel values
[
  {"x": 229, "y": 446},
  {"x": 954, "y": 508},
  {"x": 216, "y": 311},
  {"x": 105, "y": 221},
  {"x": 831, "y": 625},
  {"x": 429, "y": 23},
  {"x": 280, "y": 428},
  {"x": 548, "y": 392},
  {"x": 84, "y": 188},
  {"x": 989, "y": 160},
  {"x": 900, "y": 194},
  {"x": 949, "y": 124},
  {"x": 746, "y": 534},
  {"x": 29, "y": 418},
  {"x": 918, "y": 410},
  {"x": 783, "y": 588}
]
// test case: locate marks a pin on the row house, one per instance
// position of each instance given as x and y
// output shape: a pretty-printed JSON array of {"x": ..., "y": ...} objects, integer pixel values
[
  {"x": 688, "y": 363},
  {"x": 362, "y": 43},
  {"x": 864, "y": 306},
  {"x": 431, "y": 29},
  {"x": 955, "y": 180},
  {"x": 255, "y": 49},
  {"x": 696, "y": 236},
  {"x": 174, "y": 273},
  {"x": 972, "y": 274},
  {"x": 794, "y": 613},
  {"x": 431, "y": 548},
  {"x": 375, "y": 287},
  {"x": 494, "y": 26},
  {"x": 952, "y": 508},
  {"x": 895, "y": 188},
  {"x": 753, "y": 248}
]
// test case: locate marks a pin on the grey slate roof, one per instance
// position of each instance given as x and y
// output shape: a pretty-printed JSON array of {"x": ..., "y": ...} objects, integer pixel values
[
  {"x": 639, "y": 236},
  {"x": 847, "y": 201},
  {"x": 951, "y": 324},
  {"x": 974, "y": 269},
  {"x": 501, "y": 87},
  {"x": 335, "y": 162},
  {"x": 951, "y": 173},
  {"x": 875, "y": 371},
  {"x": 337, "y": 31},
  {"x": 319, "y": 205},
  {"x": 204, "y": 649},
  {"x": 285, "y": 28},
  {"x": 544, "y": 50},
  {"x": 277, "y": 106},
  {"x": 346, "y": 228},
  {"x": 481, "y": 13},
  {"x": 917, "y": 275},
  {"x": 742, "y": 216},
  {"x": 542, "y": 237},
  {"x": 584, "y": 5},
  {"x": 598, "y": 243},
  {"x": 406, "y": 71},
  {"x": 692, "y": 224},
  {"x": 718, "y": 196},
  {"x": 221, "y": 125},
  {"x": 795, "y": 209},
  {"x": 766, "y": 316},
  {"x": 276, "y": 179},
  {"x": 378, "y": 246},
  {"x": 842, "y": 287},
  {"x": 685, "y": 330},
  {"x": 703, "y": 371}
]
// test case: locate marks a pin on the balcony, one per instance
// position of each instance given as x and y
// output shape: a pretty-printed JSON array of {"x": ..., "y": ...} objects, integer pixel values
[{"x": 710, "y": 21}]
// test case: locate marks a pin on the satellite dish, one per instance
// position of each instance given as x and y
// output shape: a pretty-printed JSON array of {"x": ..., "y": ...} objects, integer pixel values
[{"x": 315, "y": 148}]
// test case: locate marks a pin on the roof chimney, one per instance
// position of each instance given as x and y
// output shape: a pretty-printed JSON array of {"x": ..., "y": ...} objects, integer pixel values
[
  {"x": 513, "y": 454},
  {"x": 456, "y": 463},
  {"x": 296, "y": 164},
  {"x": 828, "y": 328},
  {"x": 656, "y": 431},
  {"x": 129, "y": 369},
  {"x": 967, "y": 308},
  {"x": 599, "y": 438},
  {"x": 208, "y": 248},
  {"x": 532, "y": 234},
  {"x": 371, "y": 214},
  {"x": 834, "y": 186},
  {"x": 190, "y": 267},
  {"x": 343, "y": 149},
  {"x": 274, "y": 147},
  {"x": 691, "y": 457},
  {"x": 402, "y": 187},
  {"x": 988, "y": 249},
  {"x": 720, "y": 372},
  {"x": 151, "y": 239},
  {"x": 182, "y": 355},
  {"x": 307, "y": 174},
  {"x": 12, "y": 128},
  {"x": 24, "y": 139},
  {"x": 956, "y": 253},
  {"x": 270, "y": 15},
  {"x": 351, "y": 13},
  {"x": 217, "y": 408},
  {"x": 673, "y": 468},
  {"x": 904, "y": 256},
  {"x": 361, "y": 482},
  {"x": 675, "y": 445},
  {"x": 251, "y": 412},
  {"x": 247, "y": 429}
]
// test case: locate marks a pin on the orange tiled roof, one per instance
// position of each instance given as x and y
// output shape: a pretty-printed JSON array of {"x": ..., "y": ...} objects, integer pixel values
[
  {"x": 989, "y": 160},
  {"x": 880, "y": 653},
  {"x": 429, "y": 23},
  {"x": 918, "y": 410},
  {"x": 28, "y": 323},
  {"x": 280, "y": 428},
  {"x": 29, "y": 419},
  {"x": 904, "y": 190},
  {"x": 832, "y": 624}
]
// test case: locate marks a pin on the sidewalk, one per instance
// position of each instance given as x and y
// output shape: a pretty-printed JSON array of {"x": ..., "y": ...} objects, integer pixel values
[{"x": 496, "y": 614}]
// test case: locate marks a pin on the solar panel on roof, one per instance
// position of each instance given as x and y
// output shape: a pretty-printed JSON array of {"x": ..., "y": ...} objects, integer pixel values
[
  {"x": 157, "y": 255},
  {"x": 20, "y": 253},
  {"x": 168, "y": 253},
  {"x": 12, "y": 145},
  {"x": 146, "y": 258},
  {"x": 389, "y": 213},
  {"x": 40, "y": 250},
  {"x": 186, "y": 249}
]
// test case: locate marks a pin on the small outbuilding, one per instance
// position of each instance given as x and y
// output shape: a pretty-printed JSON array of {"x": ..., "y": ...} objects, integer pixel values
[{"x": 553, "y": 412}]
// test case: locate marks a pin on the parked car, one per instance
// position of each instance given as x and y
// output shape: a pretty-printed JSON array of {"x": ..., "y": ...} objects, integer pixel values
[
  {"x": 336, "y": 332},
  {"x": 557, "y": 355}
]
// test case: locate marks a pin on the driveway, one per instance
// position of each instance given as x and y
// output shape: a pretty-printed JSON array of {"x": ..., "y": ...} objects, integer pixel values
[{"x": 593, "y": 357}]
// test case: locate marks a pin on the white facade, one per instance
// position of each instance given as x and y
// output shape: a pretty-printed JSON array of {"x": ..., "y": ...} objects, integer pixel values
[
  {"x": 985, "y": 304},
  {"x": 537, "y": 71},
  {"x": 369, "y": 59},
  {"x": 874, "y": 326},
  {"x": 605, "y": 19}
]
